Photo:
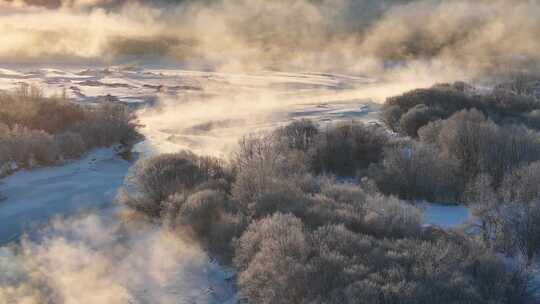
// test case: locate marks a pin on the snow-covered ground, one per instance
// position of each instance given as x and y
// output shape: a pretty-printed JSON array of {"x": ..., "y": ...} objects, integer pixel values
[
  {"x": 33, "y": 197},
  {"x": 138, "y": 85}
]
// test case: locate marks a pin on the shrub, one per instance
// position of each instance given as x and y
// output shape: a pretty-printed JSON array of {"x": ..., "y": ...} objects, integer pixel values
[
  {"x": 271, "y": 256},
  {"x": 70, "y": 145},
  {"x": 415, "y": 118},
  {"x": 110, "y": 123},
  {"x": 347, "y": 148},
  {"x": 211, "y": 217},
  {"x": 518, "y": 213},
  {"x": 27, "y": 107},
  {"x": 202, "y": 209},
  {"x": 280, "y": 261},
  {"x": 484, "y": 204},
  {"x": 38, "y": 130},
  {"x": 390, "y": 218},
  {"x": 28, "y": 147},
  {"x": 510, "y": 221},
  {"x": 481, "y": 146},
  {"x": 337, "y": 204},
  {"x": 260, "y": 164},
  {"x": 282, "y": 196},
  {"x": 520, "y": 228},
  {"x": 414, "y": 171},
  {"x": 360, "y": 212},
  {"x": 408, "y": 112},
  {"x": 438, "y": 102},
  {"x": 522, "y": 184},
  {"x": 152, "y": 181},
  {"x": 56, "y": 116},
  {"x": 299, "y": 135},
  {"x": 458, "y": 150}
]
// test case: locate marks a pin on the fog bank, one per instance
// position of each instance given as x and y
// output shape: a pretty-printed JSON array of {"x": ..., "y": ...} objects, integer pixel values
[{"x": 453, "y": 38}]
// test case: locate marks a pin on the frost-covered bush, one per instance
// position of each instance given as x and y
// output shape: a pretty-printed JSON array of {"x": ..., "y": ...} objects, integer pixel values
[
  {"x": 271, "y": 257},
  {"x": 347, "y": 148},
  {"x": 463, "y": 147},
  {"x": 509, "y": 218},
  {"x": 282, "y": 196},
  {"x": 336, "y": 204},
  {"x": 70, "y": 145},
  {"x": 408, "y": 112},
  {"x": 106, "y": 124},
  {"x": 299, "y": 135},
  {"x": 151, "y": 181},
  {"x": 28, "y": 107},
  {"x": 28, "y": 147},
  {"x": 520, "y": 228},
  {"x": 280, "y": 260},
  {"x": 260, "y": 163},
  {"x": 414, "y": 170},
  {"x": 481, "y": 146},
  {"x": 202, "y": 209},
  {"x": 391, "y": 218},
  {"x": 38, "y": 130},
  {"x": 348, "y": 205},
  {"x": 210, "y": 216},
  {"x": 522, "y": 184},
  {"x": 415, "y": 118}
]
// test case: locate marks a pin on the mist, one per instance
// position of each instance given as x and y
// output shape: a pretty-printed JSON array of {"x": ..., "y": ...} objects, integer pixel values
[
  {"x": 101, "y": 259},
  {"x": 454, "y": 38},
  {"x": 213, "y": 123}
]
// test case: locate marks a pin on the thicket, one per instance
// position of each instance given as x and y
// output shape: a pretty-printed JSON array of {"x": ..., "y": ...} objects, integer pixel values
[
  {"x": 37, "y": 130},
  {"x": 407, "y": 113},
  {"x": 483, "y": 150},
  {"x": 295, "y": 234}
]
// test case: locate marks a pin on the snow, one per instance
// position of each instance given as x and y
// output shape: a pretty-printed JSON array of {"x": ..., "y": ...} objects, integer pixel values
[
  {"x": 140, "y": 84},
  {"x": 33, "y": 197},
  {"x": 445, "y": 216}
]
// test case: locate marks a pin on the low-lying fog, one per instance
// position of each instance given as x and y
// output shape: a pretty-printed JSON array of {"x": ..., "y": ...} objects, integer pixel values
[{"x": 208, "y": 112}]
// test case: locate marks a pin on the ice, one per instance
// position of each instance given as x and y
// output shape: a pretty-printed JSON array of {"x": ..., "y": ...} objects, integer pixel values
[
  {"x": 445, "y": 216},
  {"x": 33, "y": 197}
]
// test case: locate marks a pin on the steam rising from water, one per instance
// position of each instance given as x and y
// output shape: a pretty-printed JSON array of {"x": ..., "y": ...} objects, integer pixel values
[
  {"x": 232, "y": 105},
  {"x": 451, "y": 37},
  {"x": 95, "y": 259}
]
